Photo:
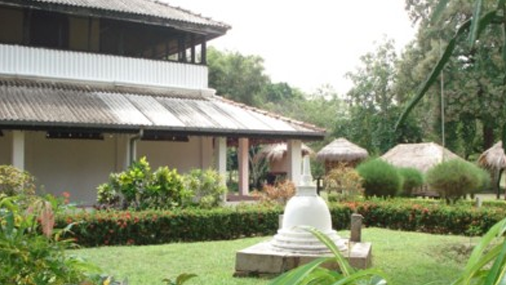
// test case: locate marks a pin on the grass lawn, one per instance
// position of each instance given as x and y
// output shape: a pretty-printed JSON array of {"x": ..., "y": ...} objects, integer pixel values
[{"x": 408, "y": 258}]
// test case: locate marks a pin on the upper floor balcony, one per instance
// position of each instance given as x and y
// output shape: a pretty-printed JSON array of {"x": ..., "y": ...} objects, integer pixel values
[{"x": 16, "y": 60}]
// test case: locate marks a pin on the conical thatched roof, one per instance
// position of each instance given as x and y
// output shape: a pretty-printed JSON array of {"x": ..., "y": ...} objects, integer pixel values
[
  {"x": 421, "y": 156},
  {"x": 341, "y": 150},
  {"x": 493, "y": 157},
  {"x": 275, "y": 152}
]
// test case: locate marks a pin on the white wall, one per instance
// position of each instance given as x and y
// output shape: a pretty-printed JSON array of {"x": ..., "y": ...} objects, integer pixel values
[
  {"x": 184, "y": 156},
  {"x": 79, "y": 166},
  {"x": 76, "y": 166}
]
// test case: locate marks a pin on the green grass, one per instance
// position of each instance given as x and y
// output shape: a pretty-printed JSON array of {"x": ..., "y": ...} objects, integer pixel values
[{"x": 408, "y": 258}]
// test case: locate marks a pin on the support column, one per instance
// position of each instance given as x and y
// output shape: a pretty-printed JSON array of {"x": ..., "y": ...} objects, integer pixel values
[
  {"x": 243, "y": 160},
  {"x": 221, "y": 160},
  {"x": 18, "y": 149},
  {"x": 294, "y": 160}
]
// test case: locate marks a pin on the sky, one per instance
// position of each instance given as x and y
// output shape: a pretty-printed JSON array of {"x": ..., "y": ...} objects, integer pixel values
[{"x": 307, "y": 44}]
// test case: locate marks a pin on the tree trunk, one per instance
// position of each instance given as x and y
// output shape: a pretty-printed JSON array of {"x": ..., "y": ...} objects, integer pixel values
[{"x": 488, "y": 135}]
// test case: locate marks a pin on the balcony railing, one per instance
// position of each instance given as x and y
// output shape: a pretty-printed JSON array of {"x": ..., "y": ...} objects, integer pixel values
[{"x": 29, "y": 61}]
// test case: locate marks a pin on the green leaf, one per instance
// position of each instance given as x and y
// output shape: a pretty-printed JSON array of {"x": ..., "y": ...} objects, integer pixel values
[
  {"x": 300, "y": 273},
  {"x": 473, "y": 32},
  {"x": 182, "y": 278},
  {"x": 496, "y": 273},
  {"x": 363, "y": 275}
]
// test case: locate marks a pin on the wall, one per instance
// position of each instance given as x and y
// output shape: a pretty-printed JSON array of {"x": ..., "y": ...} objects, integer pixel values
[
  {"x": 11, "y": 25},
  {"x": 79, "y": 166},
  {"x": 184, "y": 156},
  {"x": 6, "y": 148},
  {"x": 76, "y": 166}
]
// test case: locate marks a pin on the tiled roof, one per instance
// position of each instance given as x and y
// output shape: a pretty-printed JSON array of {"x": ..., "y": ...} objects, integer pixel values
[
  {"x": 148, "y": 8},
  {"x": 30, "y": 104}
]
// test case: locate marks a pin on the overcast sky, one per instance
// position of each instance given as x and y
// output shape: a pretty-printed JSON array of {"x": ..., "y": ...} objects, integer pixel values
[{"x": 306, "y": 43}]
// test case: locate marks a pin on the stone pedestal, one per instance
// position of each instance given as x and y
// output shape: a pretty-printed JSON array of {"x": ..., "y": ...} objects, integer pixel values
[{"x": 260, "y": 259}]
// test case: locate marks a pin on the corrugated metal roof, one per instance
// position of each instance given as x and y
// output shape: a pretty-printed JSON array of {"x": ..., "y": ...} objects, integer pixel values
[
  {"x": 30, "y": 104},
  {"x": 136, "y": 7}
]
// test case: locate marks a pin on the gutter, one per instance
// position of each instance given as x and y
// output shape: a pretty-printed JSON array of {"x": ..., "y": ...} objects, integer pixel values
[{"x": 132, "y": 146}]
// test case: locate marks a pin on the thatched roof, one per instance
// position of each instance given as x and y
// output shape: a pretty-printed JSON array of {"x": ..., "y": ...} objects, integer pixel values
[
  {"x": 493, "y": 157},
  {"x": 276, "y": 152},
  {"x": 421, "y": 156},
  {"x": 341, "y": 150}
]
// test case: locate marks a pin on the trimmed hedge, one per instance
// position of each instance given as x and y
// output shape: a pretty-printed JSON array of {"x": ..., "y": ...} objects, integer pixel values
[{"x": 157, "y": 227}]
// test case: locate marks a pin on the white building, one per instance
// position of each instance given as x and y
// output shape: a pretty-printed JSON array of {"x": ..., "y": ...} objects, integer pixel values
[{"x": 87, "y": 86}]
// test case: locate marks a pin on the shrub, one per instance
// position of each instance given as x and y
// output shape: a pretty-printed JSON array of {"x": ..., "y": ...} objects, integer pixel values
[
  {"x": 345, "y": 181},
  {"x": 380, "y": 178},
  {"x": 14, "y": 181},
  {"x": 278, "y": 193},
  {"x": 29, "y": 257},
  {"x": 139, "y": 188},
  {"x": 411, "y": 179},
  {"x": 206, "y": 186},
  {"x": 485, "y": 181},
  {"x": 454, "y": 178}
]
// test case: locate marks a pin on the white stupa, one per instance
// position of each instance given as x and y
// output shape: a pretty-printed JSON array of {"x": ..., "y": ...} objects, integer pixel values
[
  {"x": 306, "y": 208},
  {"x": 293, "y": 246}
]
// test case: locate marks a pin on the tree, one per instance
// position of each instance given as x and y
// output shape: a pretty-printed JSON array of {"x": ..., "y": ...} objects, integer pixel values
[
  {"x": 237, "y": 77},
  {"x": 475, "y": 67},
  {"x": 373, "y": 99}
]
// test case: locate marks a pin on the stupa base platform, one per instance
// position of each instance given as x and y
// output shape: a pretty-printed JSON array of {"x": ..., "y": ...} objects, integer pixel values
[{"x": 262, "y": 260}]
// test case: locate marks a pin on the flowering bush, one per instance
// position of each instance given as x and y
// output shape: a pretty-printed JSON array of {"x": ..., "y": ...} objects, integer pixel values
[
  {"x": 344, "y": 181},
  {"x": 278, "y": 193}
]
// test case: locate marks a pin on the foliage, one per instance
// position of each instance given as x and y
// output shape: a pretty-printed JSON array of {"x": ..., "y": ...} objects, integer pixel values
[
  {"x": 193, "y": 224},
  {"x": 411, "y": 179},
  {"x": 207, "y": 187},
  {"x": 314, "y": 273},
  {"x": 345, "y": 181},
  {"x": 140, "y": 188},
  {"x": 373, "y": 102},
  {"x": 162, "y": 226},
  {"x": 454, "y": 178},
  {"x": 379, "y": 178},
  {"x": 28, "y": 257},
  {"x": 279, "y": 193},
  {"x": 464, "y": 39},
  {"x": 237, "y": 77},
  {"x": 14, "y": 181}
]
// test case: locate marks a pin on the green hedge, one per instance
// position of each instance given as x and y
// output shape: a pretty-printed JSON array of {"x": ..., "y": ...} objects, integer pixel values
[{"x": 157, "y": 227}]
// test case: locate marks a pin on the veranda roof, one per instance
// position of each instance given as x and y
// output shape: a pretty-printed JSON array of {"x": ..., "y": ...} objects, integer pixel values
[
  {"x": 44, "y": 105},
  {"x": 275, "y": 152},
  {"x": 421, "y": 156},
  {"x": 144, "y": 11},
  {"x": 341, "y": 150},
  {"x": 493, "y": 157}
]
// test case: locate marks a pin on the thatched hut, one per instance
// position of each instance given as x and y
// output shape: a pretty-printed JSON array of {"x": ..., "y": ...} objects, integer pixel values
[
  {"x": 341, "y": 151},
  {"x": 421, "y": 156},
  {"x": 494, "y": 160},
  {"x": 277, "y": 157}
]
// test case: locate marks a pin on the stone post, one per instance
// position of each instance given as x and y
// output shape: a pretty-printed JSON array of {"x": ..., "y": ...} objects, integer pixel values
[{"x": 356, "y": 228}]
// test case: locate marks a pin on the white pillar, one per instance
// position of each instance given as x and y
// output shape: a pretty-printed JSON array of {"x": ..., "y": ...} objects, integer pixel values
[
  {"x": 221, "y": 160},
  {"x": 294, "y": 160},
  {"x": 18, "y": 149},
  {"x": 243, "y": 160}
]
